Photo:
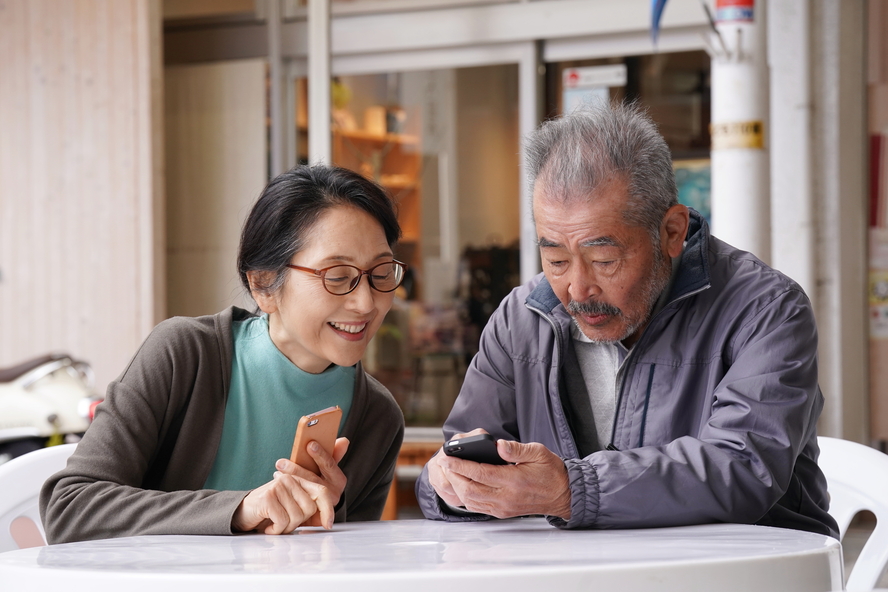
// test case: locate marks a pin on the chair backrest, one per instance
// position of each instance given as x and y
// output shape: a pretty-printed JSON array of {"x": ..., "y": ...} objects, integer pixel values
[
  {"x": 857, "y": 480},
  {"x": 20, "y": 481}
]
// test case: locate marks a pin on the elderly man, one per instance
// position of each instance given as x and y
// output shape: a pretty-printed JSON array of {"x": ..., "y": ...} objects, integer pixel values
[{"x": 652, "y": 375}]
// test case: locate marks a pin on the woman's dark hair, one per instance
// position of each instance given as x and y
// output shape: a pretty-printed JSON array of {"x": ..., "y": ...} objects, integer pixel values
[{"x": 288, "y": 208}]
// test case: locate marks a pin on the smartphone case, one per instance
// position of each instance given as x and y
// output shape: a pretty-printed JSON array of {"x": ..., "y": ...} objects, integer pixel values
[
  {"x": 322, "y": 427},
  {"x": 479, "y": 448}
]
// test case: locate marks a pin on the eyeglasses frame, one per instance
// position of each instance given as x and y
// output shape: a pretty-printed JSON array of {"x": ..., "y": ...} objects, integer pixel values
[{"x": 321, "y": 273}]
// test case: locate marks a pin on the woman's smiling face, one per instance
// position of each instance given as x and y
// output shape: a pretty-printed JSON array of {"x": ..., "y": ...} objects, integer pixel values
[{"x": 312, "y": 327}]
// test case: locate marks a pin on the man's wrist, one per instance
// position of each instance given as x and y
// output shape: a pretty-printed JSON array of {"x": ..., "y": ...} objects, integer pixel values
[
  {"x": 563, "y": 502},
  {"x": 563, "y": 507}
]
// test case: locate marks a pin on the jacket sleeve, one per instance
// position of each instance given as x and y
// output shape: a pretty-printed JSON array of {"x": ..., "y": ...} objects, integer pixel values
[
  {"x": 763, "y": 412},
  {"x": 486, "y": 399},
  {"x": 101, "y": 492}
]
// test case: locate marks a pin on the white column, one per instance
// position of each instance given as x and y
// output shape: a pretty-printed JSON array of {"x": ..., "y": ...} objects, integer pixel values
[
  {"x": 289, "y": 116},
  {"x": 530, "y": 86},
  {"x": 792, "y": 208},
  {"x": 319, "y": 142},
  {"x": 840, "y": 188},
  {"x": 740, "y": 170},
  {"x": 817, "y": 55}
]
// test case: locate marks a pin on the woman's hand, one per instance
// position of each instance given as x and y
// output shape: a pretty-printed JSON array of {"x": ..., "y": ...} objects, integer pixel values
[
  {"x": 282, "y": 505},
  {"x": 331, "y": 475},
  {"x": 296, "y": 496}
]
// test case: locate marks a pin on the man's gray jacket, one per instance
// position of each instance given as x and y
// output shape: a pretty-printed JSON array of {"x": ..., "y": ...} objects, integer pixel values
[{"x": 715, "y": 418}]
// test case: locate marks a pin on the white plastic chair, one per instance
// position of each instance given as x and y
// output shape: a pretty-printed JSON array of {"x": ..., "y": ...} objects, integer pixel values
[
  {"x": 857, "y": 480},
  {"x": 20, "y": 481}
]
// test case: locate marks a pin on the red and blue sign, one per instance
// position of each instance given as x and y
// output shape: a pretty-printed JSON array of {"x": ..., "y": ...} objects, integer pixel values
[{"x": 734, "y": 10}]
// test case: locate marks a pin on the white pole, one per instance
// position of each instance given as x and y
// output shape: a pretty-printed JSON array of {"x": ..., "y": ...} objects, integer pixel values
[
  {"x": 289, "y": 117},
  {"x": 741, "y": 212},
  {"x": 319, "y": 144},
  {"x": 529, "y": 116},
  {"x": 792, "y": 207}
]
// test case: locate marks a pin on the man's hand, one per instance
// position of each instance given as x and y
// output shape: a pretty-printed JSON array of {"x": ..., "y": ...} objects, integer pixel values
[
  {"x": 282, "y": 505},
  {"x": 331, "y": 475},
  {"x": 536, "y": 484},
  {"x": 438, "y": 477}
]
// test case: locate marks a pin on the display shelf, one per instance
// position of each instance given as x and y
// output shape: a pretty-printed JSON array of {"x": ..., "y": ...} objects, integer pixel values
[{"x": 392, "y": 160}]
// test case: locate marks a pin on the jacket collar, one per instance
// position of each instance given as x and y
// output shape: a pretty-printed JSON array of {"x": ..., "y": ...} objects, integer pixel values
[
  {"x": 692, "y": 276},
  {"x": 693, "y": 273}
]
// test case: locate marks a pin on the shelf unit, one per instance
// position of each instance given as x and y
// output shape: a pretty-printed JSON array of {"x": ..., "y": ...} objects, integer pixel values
[{"x": 395, "y": 162}]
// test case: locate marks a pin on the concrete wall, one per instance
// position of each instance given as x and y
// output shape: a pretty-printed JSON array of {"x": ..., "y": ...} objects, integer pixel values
[{"x": 81, "y": 179}]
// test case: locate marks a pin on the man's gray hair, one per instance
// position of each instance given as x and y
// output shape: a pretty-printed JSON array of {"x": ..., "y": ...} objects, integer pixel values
[{"x": 574, "y": 155}]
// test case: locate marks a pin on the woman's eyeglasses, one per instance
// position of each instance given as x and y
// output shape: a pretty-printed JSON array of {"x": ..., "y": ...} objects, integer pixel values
[{"x": 342, "y": 279}]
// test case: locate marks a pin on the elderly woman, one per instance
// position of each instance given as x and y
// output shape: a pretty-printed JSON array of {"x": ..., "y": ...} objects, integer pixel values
[{"x": 194, "y": 436}]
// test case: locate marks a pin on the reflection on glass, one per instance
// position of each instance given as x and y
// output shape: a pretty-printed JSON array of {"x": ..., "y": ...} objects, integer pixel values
[
  {"x": 694, "y": 181},
  {"x": 674, "y": 87},
  {"x": 444, "y": 144}
]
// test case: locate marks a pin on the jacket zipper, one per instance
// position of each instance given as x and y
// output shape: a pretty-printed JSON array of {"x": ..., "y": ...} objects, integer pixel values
[
  {"x": 558, "y": 346},
  {"x": 634, "y": 349},
  {"x": 558, "y": 340},
  {"x": 647, "y": 400}
]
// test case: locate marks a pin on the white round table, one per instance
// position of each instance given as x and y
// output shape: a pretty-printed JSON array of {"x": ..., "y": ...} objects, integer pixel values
[{"x": 425, "y": 556}]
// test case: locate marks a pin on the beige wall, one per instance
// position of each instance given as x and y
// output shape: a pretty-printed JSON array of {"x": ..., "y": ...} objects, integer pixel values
[
  {"x": 80, "y": 179},
  {"x": 216, "y": 159},
  {"x": 489, "y": 179}
]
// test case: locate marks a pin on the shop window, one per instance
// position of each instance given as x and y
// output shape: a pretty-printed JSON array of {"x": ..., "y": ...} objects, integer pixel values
[
  {"x": 444, "y": 144},
  {"x": 675, "y": 89}
]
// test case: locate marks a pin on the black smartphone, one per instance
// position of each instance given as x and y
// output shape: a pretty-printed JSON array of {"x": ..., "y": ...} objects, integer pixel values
[{"x": 480, "y": 448}]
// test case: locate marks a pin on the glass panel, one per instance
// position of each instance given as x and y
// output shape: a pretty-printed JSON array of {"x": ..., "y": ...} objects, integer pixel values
[
  {"x": 675, "y": 89},
  {"x": 444, "y": 144}
]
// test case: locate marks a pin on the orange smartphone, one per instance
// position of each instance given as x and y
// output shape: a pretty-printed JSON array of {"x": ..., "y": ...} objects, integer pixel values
[{"x": 322, "y": 427}]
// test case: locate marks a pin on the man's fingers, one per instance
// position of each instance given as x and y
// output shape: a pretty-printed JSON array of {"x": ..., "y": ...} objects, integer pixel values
[
  {"x": 478, "y": 497},
  {"x": 535, "y": 484},
  {"x": 474, "y": 432},
  {"x": 517, "y": 452},
  {"x": 475, "y": 471},
  {"x": 457, "y": 481},
  {"x": 440, "y": 483}
]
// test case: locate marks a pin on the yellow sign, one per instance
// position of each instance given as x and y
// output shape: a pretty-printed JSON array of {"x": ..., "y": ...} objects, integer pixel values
[
  {"x": 878, "y": 287},
  {"x": 737, "y": 134}
]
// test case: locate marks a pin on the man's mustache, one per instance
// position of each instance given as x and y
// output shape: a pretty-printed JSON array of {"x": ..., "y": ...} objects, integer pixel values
[{"x": 593, "y": 308}]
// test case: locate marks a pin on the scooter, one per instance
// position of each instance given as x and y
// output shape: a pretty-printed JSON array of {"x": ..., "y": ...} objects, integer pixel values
[{"x": 43, "y": 402}]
